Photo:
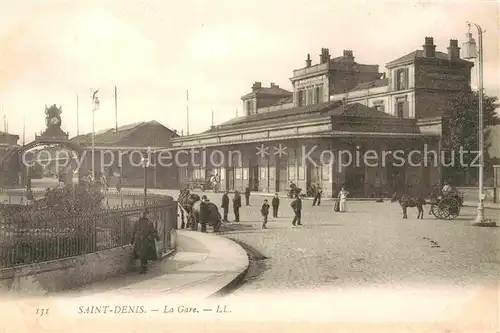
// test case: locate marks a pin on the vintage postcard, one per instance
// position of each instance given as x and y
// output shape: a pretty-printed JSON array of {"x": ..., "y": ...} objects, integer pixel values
[{"x": 249, "y": 166}]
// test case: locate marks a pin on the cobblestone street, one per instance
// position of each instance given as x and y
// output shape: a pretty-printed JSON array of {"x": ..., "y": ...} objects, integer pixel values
[{"x": 370, "y": 244}]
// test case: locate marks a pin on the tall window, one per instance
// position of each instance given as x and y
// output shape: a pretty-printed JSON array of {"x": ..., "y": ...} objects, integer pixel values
[
  {"x": 402, "y": 79},
  {"x": 400, "y": 108},
  {"x": 319, "y": 94},
  {"x": 301, "y": 98},
  {"x": 310, "y": 99},
  {"x": 249, "y": 107}
]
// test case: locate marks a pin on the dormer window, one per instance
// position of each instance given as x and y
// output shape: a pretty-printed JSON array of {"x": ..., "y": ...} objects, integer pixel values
[{"x": 249, "y": 107}]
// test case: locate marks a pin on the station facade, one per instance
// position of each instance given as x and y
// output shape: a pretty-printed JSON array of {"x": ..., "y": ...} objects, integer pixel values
[{"x": 338, "y": 108}]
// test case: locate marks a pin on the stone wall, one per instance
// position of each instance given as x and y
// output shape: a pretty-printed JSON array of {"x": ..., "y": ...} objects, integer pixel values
[{"x": 45, "y": 277}]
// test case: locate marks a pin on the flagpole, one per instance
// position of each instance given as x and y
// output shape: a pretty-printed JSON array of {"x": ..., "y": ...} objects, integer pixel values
[
  {"x": 116, "y": 111},
  {"x": 24, "y": 130},
  {"x": 77, "y": 117},
  {"x": 212, "y": 117},
  {"x": 187, "y": 111}
]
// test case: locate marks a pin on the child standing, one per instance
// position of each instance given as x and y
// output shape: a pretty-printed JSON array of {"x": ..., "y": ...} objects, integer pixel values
[
  {"x": 276, "y": 204},
  {"x": 265, "y": 212}
]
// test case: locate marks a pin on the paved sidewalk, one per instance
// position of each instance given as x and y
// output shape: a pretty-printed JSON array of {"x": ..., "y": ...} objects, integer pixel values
[{"x": 203, "y": 265}]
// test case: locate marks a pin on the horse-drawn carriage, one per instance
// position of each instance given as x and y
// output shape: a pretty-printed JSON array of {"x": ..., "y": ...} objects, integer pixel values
[
  {"x": 190, "y": 204},
  {"x": 447, "y": 206}
]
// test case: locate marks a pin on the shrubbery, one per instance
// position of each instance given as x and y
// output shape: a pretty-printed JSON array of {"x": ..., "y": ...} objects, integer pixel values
[{"x": 62, "y": 224}]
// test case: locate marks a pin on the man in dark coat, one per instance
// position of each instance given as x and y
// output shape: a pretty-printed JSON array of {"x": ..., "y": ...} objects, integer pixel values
[
  {"x": 236, "y": 206},
  {"x": 204, "y": 213},
  {"x": 265, "y": 212},
  {"x": 225, "y": 205},
  {"x": 143, "y": 239},
  {"x": 317, "y": 195},
  {"x": 247, "y": 196},
  {"x": 297, "y": 209},
  {"x": 276, "y": 204}
]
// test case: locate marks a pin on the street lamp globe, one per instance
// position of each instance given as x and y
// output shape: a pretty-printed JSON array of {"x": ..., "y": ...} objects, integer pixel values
[{"x": 469, "y": 48}]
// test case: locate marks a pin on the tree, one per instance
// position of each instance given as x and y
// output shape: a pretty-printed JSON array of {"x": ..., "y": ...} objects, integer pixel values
[{"x": 460, "y": 132}]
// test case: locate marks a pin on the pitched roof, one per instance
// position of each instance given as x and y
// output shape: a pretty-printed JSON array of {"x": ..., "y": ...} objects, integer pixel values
[
  {"x": 371, "y": 84},
  {"x": 109, "y": 137},
  {"x": 317, "y": 111},
  {"x": 285, "y": 100},
  {"x": 269, "y": 91},
  {"x": 360, "y": 111},
  {"x": 418, "y": 54},
  {"x": 277, "y": 116}
]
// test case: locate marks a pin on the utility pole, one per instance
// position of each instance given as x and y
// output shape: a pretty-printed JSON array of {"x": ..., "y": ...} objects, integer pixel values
[
  {"x": 116, "y": 112},
  {"x": 187, "y": 111},
  {"x": 471, "y": 52},
  {"x": 77, "y": 117}
]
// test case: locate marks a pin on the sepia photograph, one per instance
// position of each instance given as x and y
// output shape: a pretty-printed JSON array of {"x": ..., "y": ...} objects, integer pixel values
[{"x": 249, "y": 166}]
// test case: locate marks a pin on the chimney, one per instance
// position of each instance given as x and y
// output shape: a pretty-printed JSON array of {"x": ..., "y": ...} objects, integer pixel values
[
  {"x": 256, "y": 85},
  {"x": 274, "y": 85},
  {"x": 324, "y": 56},
  {"x": 308, "y": 60},
  {"x": 429, "y": 48},
  {"x": 453, "y": 50}
]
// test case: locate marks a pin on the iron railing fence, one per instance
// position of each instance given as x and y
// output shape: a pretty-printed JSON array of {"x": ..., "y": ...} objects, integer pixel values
[{"x": 30, "y": 235}]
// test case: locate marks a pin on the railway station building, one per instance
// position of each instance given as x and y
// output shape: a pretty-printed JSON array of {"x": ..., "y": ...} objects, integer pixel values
[{"x": 338, "y": 108}]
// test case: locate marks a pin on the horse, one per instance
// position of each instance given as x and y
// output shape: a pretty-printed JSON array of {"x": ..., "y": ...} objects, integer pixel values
[
  {"x": 186, "y": 200},
  {"x": 406, "y": 201},
  {"x": 214, "y": 218}
]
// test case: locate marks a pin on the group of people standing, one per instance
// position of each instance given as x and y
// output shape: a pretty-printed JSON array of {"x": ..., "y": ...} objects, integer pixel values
[
  {"x": 296, "y": 205},
  {"x": 236, "y": 204}
]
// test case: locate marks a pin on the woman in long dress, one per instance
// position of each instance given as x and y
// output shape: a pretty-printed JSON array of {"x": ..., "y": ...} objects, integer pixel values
[{"x": 342, "y": 199}]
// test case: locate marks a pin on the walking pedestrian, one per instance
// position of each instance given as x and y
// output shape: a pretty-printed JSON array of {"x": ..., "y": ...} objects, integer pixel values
[
  {"x": 342, "y": 199},
  {"x": 317, "y": 195},
  {"x": 265, "y": 212},
  {"x": 276, "y": 204},
  {"x": 236, "y": 206},
  {"x": 297, "y": 209},
  {"x": 225, "y": 205},
  {"x": 247, "y": 196},
  {"x": 143, "y": 239}
]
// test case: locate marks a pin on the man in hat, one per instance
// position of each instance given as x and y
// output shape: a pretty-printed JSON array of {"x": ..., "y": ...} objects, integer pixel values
[
  {"x": 236, "y": 206},
  {"x": 446, "y": 188},
  {"x": 317, "y": 195},
  {"x": 225, "y": 205},
  {"x": 297, "y": 210},
  {"x": 143, "y": 239},
  {"x": 204, "y": 212}
]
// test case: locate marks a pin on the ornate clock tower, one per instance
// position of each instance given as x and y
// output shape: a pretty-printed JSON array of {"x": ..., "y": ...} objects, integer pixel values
[{"x": 53, "y": 123}]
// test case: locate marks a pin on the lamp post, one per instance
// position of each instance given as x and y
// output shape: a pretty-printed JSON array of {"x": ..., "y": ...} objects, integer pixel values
[
  {"x": 146, "y": 162},
  {"x": 470, "y": 52},
  {"x": 95, "y": 106}
]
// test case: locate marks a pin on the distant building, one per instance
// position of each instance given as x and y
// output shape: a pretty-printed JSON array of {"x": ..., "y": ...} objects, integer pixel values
[
  {"x": 338, "y": 104},
  {"x": 119, "y": 149}
]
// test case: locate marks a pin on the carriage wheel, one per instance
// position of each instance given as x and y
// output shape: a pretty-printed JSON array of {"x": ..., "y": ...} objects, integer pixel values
[
  {"x": 443, "y": 210},
  {"x": 453, "y": 208},
  {"x": 435, "y": 210}
]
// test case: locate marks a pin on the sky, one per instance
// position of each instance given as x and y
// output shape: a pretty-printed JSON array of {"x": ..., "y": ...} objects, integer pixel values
[{"x": 153, "y": 51}]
